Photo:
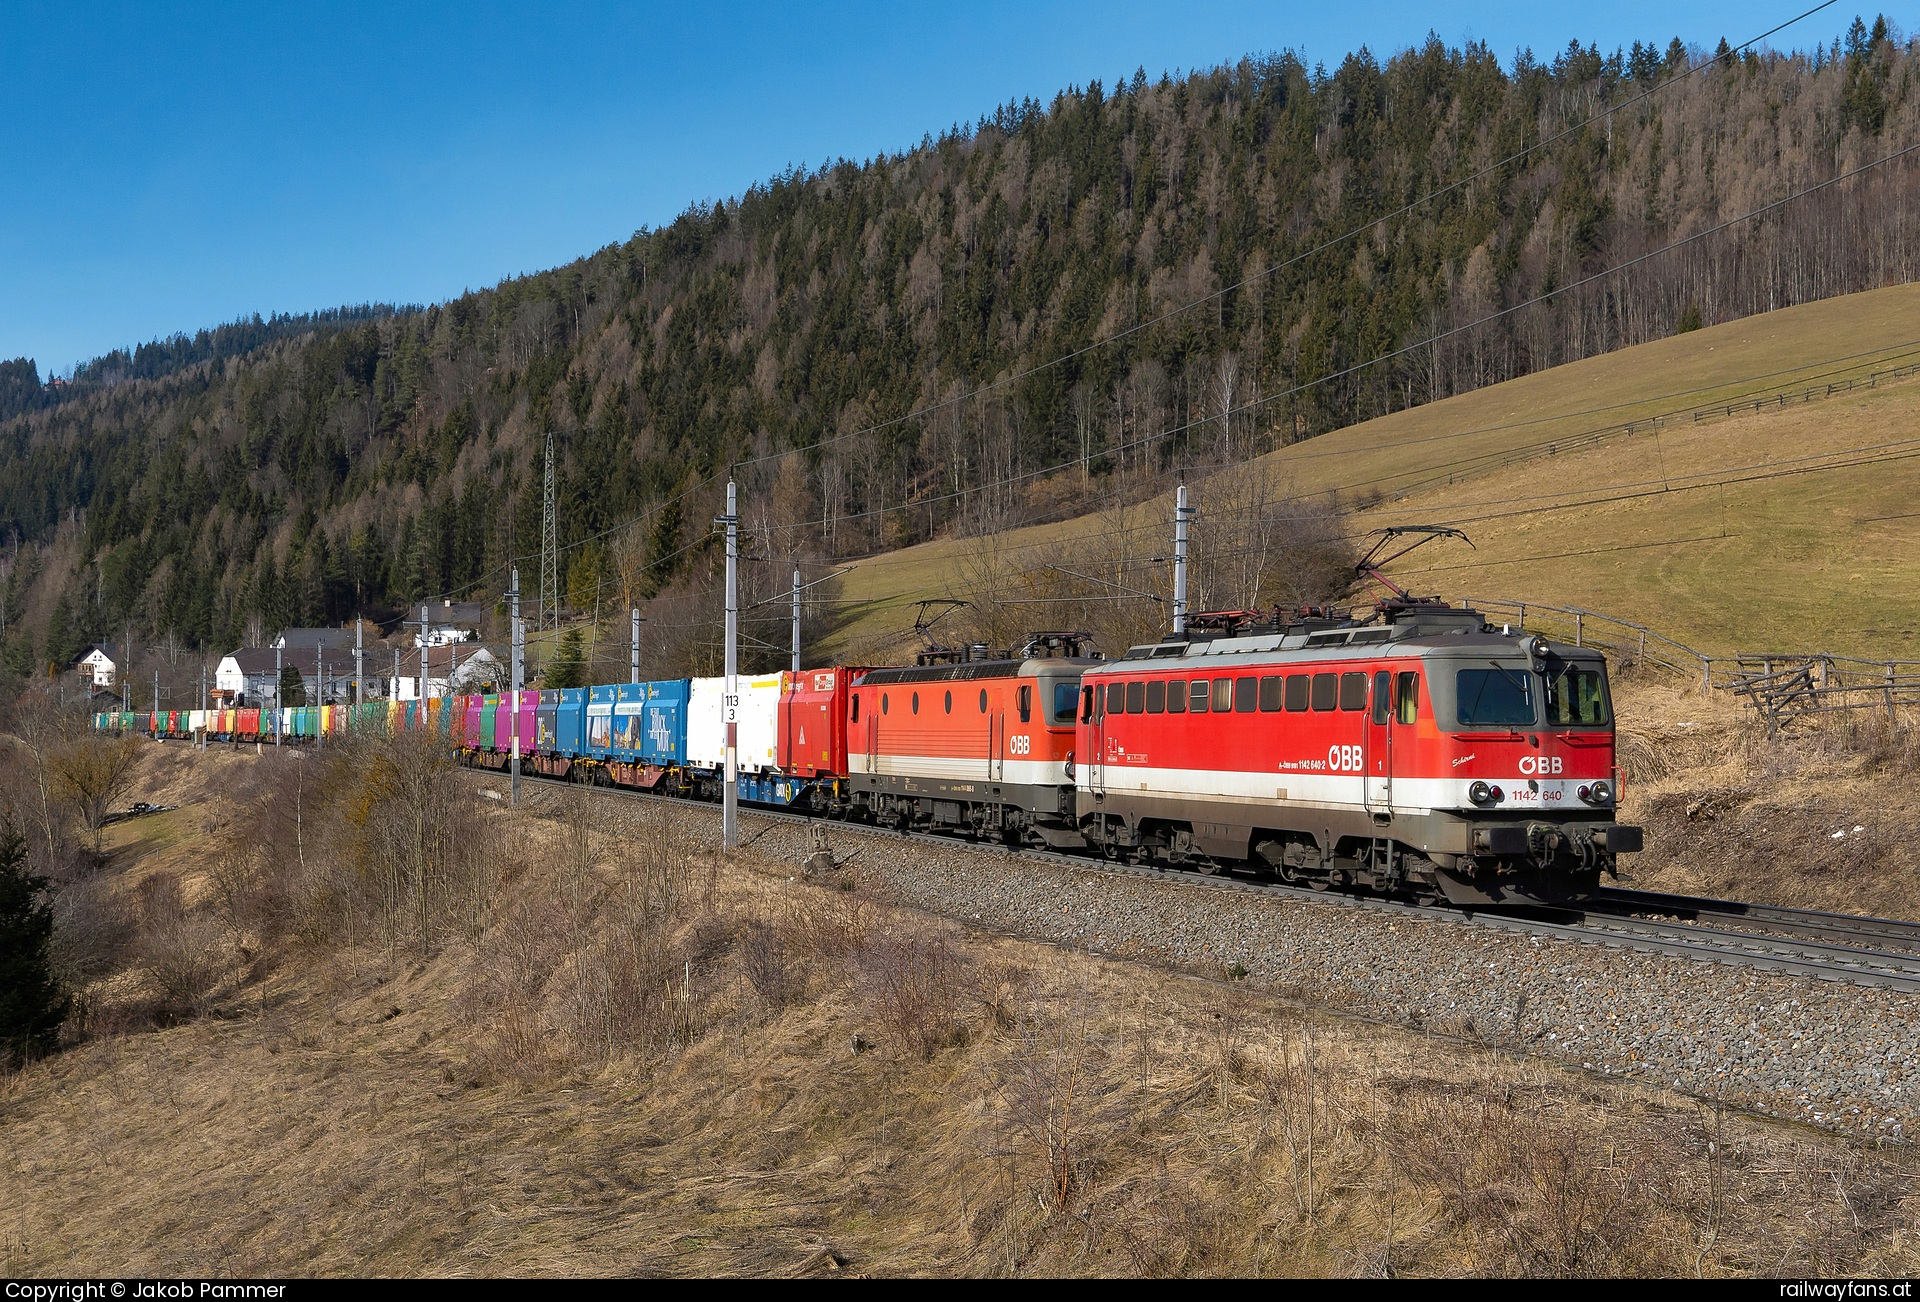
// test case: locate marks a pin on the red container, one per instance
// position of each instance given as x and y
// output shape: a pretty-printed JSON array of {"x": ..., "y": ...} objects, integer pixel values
[{"x": 813, "y": 723}]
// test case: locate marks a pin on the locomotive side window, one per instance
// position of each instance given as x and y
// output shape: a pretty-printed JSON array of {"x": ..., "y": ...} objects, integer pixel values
[
  {"x": 856, "y": 707},
  {"x": 1577, "y": 697},
  {"x": 1381, "y": 680},
  {"x": 1087, "y": 697},
  {"x": 1406, "y": 699},
  {"x": 1026, "y": 702},
  {"x": 1494, "y": 698},
  {"x": 1197, "y": 696},
  {"x": 1157, "y": 696},
  {"x": 1222, "y": 695},
  {"x": 1271, "y": 693},
  {"x": 949, "y": 702},
  {"x": 1326, "y": 691},
  {"x": 1136, "y": 698},
  {"x": 1299, "y": 691},
  {"x": 1353, "y": 691},
  {"x": 1116, "y": 698},
  {"x": 1177, "y": 696},
  {"x": 1244, "y": 692},
  {"x": 916, "y": 702},
  {"x": 983, "y": 700},
  {"x": 883, "y": 702}
]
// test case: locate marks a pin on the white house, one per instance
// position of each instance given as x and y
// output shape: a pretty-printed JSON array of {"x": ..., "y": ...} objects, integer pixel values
[
  {"x": 249, "y": 674},
  {"x": 453, "y": 671},
  {"x": 102, "y": 661},
  {"x": 447, "y": 623}
]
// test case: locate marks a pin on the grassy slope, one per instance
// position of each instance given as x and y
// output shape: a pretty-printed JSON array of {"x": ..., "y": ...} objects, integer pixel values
[
  {"x": 1804, "y": 560},
  {"x": 331, "y": 1118}
]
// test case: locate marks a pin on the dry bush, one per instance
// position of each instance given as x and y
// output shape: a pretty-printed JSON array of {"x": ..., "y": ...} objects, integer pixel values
[
  {"x": 829, "y": 925},
  {"x": 91, "y": 929},
  {"x": 375, "y": 837},
  {"x": 1053, "y": 1094},
  {"x": 918, "y": 980},
  {"x": 1882, "y": 745},
  {"x": 601, "y": 949},
  {"x": 181, "y": 952},
  {"x": 1527, "y": 1178},
  {"x": 767, "y": 958}
]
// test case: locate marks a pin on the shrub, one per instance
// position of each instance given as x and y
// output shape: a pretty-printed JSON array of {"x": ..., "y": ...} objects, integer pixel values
[{"x": 32, "y": 1006}]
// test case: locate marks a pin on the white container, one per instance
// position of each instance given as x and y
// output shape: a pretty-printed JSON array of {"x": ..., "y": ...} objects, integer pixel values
[
  {"x": 758, "y": 737},
  {"x": 706, "y": 738}
]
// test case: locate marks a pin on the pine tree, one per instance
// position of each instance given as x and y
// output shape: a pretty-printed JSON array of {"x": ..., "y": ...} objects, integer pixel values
[
  {"x": 293, "y": 688},
  {"x": 568, "y": 667},
  {"x": 31, "y": 1004}
]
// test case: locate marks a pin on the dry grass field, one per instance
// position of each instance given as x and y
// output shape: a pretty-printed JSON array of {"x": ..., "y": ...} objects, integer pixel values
[
  {"x": 611, "y": 1054},
  {"x": 1790, "y": 526}
]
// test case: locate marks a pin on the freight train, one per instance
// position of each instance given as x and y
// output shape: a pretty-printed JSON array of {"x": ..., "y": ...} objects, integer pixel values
[{"x": 1415, "y": 751}]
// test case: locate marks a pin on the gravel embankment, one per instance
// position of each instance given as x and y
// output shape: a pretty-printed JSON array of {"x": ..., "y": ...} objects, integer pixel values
[{"x": 1833, "y": 1054}]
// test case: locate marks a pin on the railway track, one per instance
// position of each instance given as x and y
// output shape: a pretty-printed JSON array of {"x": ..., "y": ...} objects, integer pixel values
[{"x": 1879, "y": 952}]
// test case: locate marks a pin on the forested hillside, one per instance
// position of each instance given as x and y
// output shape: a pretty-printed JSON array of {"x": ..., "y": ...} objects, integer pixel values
[{"x": 914, "y": 345}]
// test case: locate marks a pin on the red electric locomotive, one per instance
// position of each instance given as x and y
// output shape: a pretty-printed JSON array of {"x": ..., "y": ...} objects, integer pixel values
[
  {"x": 981, "y": 746},
  {"x": 1417, "y": 752}
]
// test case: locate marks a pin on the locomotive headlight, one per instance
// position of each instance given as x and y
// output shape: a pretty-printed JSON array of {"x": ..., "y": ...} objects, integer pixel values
[
  {"x": 1600, "y": 793},
  {"x": 1538, "y": 647},
  {"x": 1480, "y": 793}
]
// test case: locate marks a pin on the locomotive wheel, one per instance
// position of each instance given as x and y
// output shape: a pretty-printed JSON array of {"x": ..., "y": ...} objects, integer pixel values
[{"x": 1206, "y": 867}]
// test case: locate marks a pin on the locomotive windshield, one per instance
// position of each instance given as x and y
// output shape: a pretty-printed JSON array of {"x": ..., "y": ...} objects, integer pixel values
[
  {"x": 1064, "y": 696},
  {"x": 1577, "y": 696},
  {"x": 1494, "y": 698}
]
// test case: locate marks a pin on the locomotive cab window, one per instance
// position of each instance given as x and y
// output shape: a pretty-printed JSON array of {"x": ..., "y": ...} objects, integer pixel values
[
  {"x": 856, "y": 707},
  {"x": 1577, "y": 698},
  {"x": 1406, "y": 700},
  {"x": 1087, "y": 697},
  {"x": 1197, "y": 696},
  {"x": 1494, "y": 698},
  {"x": 1380, "y": 695},
  {"x": 1157, "y": 696},
  {"x": 1026, "y": 702},
  {"x": 1177, "y": 696}
]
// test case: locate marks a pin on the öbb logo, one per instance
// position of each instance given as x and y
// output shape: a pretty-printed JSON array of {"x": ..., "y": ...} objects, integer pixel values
[
  {"x": 1344, "y": 759},
  {"x": 1539, "y": 765}
]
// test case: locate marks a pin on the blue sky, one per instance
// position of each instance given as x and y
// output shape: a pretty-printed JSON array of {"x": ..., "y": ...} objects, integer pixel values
[{"x": 169, "y": 167}]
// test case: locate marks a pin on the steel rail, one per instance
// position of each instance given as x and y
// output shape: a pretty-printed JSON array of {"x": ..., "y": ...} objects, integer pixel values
[
  {"x": 1814, "y": 924},
  {"x": 1784, "y": 955}
]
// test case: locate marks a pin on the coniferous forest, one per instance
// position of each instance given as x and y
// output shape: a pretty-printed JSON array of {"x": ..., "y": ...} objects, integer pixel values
[{"x": 913, "y": 346}]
